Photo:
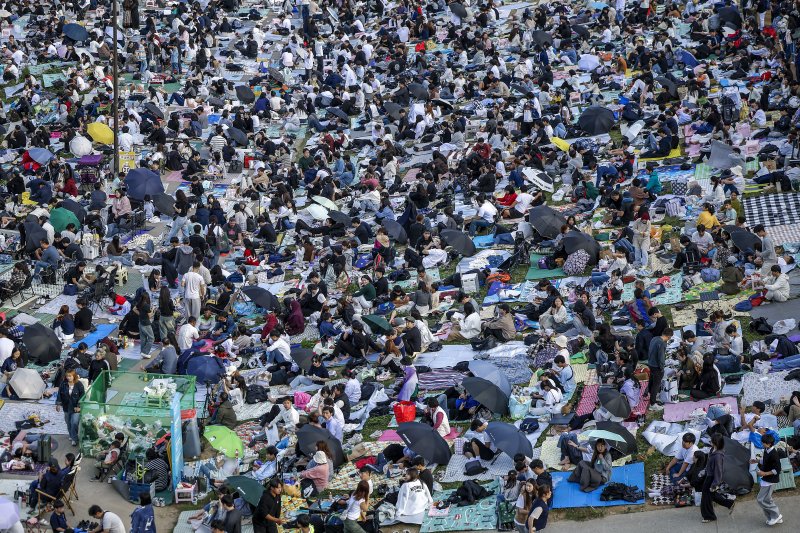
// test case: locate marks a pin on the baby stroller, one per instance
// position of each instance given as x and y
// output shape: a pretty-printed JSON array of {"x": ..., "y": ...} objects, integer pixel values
[{"x": 87, "y": 171}]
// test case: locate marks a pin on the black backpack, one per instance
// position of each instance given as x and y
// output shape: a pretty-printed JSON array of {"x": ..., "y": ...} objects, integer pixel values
[
  {"x": 728, "y": 110},
  {"x": 256, "y": 394}
]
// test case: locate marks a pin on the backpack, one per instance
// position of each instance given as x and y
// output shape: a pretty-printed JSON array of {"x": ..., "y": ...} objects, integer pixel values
[
  {"x": 576, "y": 263},
  {"x": 529, "y": 425},
  {"x": 481, "y": 345},
  {"x": 256, "y": 394},
  {"x": 759, "y": 325},
  {"x": 710, "y": 275},
  {"x": 631, "y": 112},
  {"x": 474, "y": 468},
  {"x": 545, "y": 263},
  {"x": 729, "y": 114}
]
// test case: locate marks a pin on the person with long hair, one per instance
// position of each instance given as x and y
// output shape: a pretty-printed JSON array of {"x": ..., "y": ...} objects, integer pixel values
[
  {"x": 144, "y": 311},
  {"x": 64, "y": 325},
  {"x": 356, "y": 509},
  {"x": 537, "y": 518},
  {"x": 19, "y": 274},
  {"x": 166, "y": 315},
  {"x": 69, "y": 396},
  {"x": 523, "y": 505},
  {"x": 715, "y": 467},
  {"x": 591, "y": 474}
]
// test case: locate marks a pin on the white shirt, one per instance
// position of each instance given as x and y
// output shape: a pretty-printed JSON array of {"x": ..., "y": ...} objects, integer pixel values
[
  {"x": 352, "y": 389},
  {"x": 6, "y": 349},
  {"x": 112, "y": 523},
  {"x": 686, "y": 455},
  {"x": 487, "y": 211},
  {"x": 187, "y": 334},
  {"x": 193, "y": 282},
  {"x": 524, "y": 201},
  {"x": 414, "y": 498}
]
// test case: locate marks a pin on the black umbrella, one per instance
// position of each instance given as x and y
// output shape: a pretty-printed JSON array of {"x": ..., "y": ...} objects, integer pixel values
[
  {"x": 165, "y": 204},
  {"x": 614, "y": 402},
  {"x": 143, "y": 181},
  {"x": 308, "y": 436},
  {"x": 742, "y": 239},
  {"x": 542, "y": 38},
  {"x": 76, "y": 208},
  {"x": 628, "y": 444},
  {"x": 423, "y": 440},
  {"x": 520, "y": 88},
  {"x": 731, "y": 15},
  {"x": 736, "y": 473},
  {"x": 153, "y": 109},
  {"x": 335, "y": 111},
  {"x": 338, "y": 216},
  {"x": 489, "y": 372},
  {"x": 509, "y": 439},
  {"x": 303, "y": 357},
  {"x": 42, "y": 344},
  {"x": 261, "y": 297},
  {"x": 215, "y": 102},
  {"x": 670, "y": 86},
  {"x": 76, "y": 32},
  {"x": 245, "y": 94},
  {"x": 276, "y": 75},
  {"x": 576, "y": 240},
  {"x": 581, "y": 30},
  {"x": 33, "y": 233},
  {"x": 418, "y": 91},
  {"x": 393, "y": 110},
  {"x": 458, "y": 10},
  {"x": 447, "y": 106},
  {"x": 395, "y": 231},
  {"x": 238, "y": 136},
  {"x": 460, "y": 241},
  {"x": 596, "y": 120},
  {"x": 487, "y": 394},
  {"x": 546, "y": 221}
]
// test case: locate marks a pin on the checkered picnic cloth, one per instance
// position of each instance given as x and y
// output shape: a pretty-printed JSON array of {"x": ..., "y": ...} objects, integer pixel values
[
  {"x": 773, "y": 209},
  {"x": 589, "y": 398},
  {"x": 785, "y": 233}
]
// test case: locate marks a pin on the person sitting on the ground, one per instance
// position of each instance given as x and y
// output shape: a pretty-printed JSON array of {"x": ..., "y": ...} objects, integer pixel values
[
  {"x": 502, "y": 327},
  {"x": 156, "y": 470},
  {"x": 776, "y": 287},
  {"x": 591, "y": 474}
]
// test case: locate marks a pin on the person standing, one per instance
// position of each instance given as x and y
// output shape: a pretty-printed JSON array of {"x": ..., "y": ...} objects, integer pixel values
[
  {"x": 267, "y": 516},
  {"x": 656, "y": 356},
  {"x": 769, "y": 470},
  {"x": 195, "y": 289},
  {"x": 715, "y": 466},
  {"x": 70, "y": 393},
  {"x": 146, "y": 335}
]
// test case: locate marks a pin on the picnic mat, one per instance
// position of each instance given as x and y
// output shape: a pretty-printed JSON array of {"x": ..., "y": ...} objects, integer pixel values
[
  {"x": 671, "y": 295},
  {"x": 103, "y": 331},
  {"x": 480, "y": 516},
  {"x": 767, "y": 387},
  {"x": 784, "y": 233},
  {"x": 16, "y": 411},
  {"x": 688, "y": 315},
  {"x": 499, "y": 467},
  {"x": 53, "y": 306},
  {"x": 772, "y": 209},
  {"x": 534, "y": 272},
  {"x": 250, "y": 411},
  {"x": 778, "y": 311},
  {"x": 568, "y": 495},
  {"x": 589, "y": 398},
  {"x": 450, "y": 355},
  {"x": 675, "y": 152},
  {"x": 681, "y": 411},
  {"x": 391, "y": 435},
  {"x": 347, "y": 479},
  {"x": 439, "y": 379}
]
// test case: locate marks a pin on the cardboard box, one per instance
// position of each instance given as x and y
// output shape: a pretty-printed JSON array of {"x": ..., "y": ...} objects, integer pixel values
[{"x": 469, "y": 283}]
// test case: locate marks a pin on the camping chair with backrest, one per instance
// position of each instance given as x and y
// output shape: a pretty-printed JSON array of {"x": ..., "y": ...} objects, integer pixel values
[
  {"x": 11, "y": 294},
  {"x": 73, "y": 492},
  {"x": 67, "y": 486},
  {"x": 107, "y": 471}
]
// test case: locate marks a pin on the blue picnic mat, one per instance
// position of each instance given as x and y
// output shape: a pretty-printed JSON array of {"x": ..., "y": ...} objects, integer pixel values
[
  {"x": 567, "y": 495},
  {"x": 103, "y": 331},
  {"x": 482, "y": 515}
]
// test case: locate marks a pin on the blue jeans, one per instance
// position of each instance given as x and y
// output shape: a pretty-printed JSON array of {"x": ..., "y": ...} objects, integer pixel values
[
  {"x": 175, "y": 97},
  {"x": 674, "y": 470},
  {"x": 478, "y": 223},
  {"x": 146, "y": 337},
  {"x": 567, "y": 451},
  {"x": 39, "y": 265},
  {"x": 72, "y": 420},
  {"x": 787, "y": 363},
  {"x": 178, "y": 225},
  {"x": 504, "y": 238}
]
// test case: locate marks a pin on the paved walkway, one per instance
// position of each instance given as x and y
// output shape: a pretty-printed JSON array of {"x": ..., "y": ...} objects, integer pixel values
[{"x": 746, "y": 518}]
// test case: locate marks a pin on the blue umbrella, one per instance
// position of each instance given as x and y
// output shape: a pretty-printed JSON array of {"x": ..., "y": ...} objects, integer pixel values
[
  {"x": 141, "y": 182},
  {"x": 40, "y": 155},
  {"x": 76, "y": 32}
]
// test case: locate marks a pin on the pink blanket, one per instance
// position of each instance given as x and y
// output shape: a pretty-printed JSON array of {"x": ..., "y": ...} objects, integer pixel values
[
  {"x": 681, "y": 411},
  {"x": 589, "y": 400},
  {"x": 391, "y": 435}
]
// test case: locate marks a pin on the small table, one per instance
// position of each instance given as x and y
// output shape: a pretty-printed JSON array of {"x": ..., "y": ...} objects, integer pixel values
[{"x": 186, "y": 494}]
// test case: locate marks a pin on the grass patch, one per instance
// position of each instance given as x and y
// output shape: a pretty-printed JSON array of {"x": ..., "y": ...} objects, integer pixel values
[
  {"x": 579, "y": 514},
  {"x": 375, "y": 423}
]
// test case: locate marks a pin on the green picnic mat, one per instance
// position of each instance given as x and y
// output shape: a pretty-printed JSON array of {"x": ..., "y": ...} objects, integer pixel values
[
  {"x": 480, "y": 516},
  {"x": 534, "y": 272},
  {"x": 126, "y": 365}
]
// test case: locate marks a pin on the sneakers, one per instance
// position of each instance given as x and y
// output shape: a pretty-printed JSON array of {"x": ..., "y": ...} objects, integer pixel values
[
  {"x": 656, "y": 407},
  {"x": 776, "y": 521}
]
